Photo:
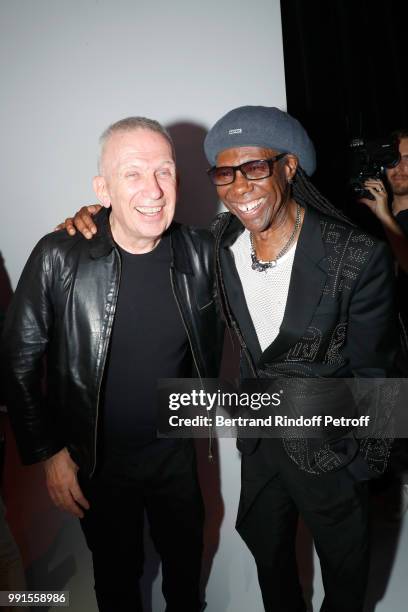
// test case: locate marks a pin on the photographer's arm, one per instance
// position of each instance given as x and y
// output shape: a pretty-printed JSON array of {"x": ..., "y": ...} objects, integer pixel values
[
  {"x": 82, "y": 221},
  {"x": 379, "y": 207}
]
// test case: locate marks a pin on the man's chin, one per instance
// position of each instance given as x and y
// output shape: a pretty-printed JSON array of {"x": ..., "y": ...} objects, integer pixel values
[
  {"x": 400, "y": 191},
  {"x": 252, "y": 225}
]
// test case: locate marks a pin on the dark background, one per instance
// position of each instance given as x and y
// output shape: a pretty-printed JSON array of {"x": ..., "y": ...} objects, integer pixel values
[{"x": 346, "y": 70}]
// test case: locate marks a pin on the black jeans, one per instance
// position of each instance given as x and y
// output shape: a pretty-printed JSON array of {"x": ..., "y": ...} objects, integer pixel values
[
  {"x": 335, "y": 509},
  {"x": 163, "y": 482}
]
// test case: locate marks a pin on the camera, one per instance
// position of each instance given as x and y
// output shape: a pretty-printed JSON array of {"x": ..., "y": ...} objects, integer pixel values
[{"x": 368, "y": 159}]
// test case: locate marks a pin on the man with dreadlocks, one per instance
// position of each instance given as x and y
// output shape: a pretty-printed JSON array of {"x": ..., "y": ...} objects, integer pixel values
[{"x": 308, "y": 295}]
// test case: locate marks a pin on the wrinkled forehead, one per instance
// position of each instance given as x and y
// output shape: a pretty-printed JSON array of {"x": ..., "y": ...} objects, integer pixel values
[{"x": 138, "y": 146}]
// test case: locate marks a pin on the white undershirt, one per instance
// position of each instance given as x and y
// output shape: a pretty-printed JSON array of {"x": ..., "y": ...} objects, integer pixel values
[{"x": 266, "y": 292}]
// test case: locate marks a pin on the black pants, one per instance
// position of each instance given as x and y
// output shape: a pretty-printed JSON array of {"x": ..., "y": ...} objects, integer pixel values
[
  {"x": 164, "y": 484},
  {"x": 335, "y": 509}
]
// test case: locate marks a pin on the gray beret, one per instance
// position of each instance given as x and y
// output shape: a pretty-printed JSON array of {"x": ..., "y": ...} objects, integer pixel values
[{"x": 261, "y": 126}]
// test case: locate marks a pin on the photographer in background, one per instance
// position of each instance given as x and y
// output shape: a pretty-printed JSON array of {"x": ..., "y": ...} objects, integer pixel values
[
  {"x": 390, "y": 206},
  {"x": 394, "y": 220}
]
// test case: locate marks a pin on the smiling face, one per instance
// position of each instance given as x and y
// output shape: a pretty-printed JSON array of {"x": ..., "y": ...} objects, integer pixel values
[
  {"x": 257, "y": 203},
  {"x": 398, "y": 176},
  {"x": 138, "y": 179}
]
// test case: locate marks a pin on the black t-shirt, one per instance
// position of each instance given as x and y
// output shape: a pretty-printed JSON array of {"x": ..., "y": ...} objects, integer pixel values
[{"x": 148, "y": 342}]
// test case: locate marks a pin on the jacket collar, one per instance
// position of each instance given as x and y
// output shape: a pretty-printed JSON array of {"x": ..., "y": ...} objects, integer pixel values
[
  {"x": 231, "y": 229},
  {"x": 103, "y": 243},
  {"x": 181, "y": 259},
  {"x": 307, "y": 281}
]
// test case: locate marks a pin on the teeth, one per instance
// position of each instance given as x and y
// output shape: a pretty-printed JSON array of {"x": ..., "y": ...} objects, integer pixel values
[
  {"x": 250, "y": 206},
  {"x": 149, "y": 210}
]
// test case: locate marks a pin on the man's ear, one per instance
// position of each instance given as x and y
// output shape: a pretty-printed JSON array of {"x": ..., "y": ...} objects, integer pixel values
[
  {"x": 291, "y": 164},
  {"x": 99, "y": 185}
]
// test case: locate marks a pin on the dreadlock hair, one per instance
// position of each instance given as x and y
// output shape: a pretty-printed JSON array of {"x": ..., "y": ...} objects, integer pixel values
[{"x": 306, "y": 194}]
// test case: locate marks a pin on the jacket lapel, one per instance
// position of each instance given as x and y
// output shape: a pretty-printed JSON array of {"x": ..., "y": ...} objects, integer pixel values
[
  {"x": 307, "y": 281},
  {"x": 238, "y": 305},
  {"x": 233, "y": 287}
]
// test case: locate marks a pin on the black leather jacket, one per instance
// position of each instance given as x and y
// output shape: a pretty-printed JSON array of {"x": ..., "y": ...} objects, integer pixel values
[{"x": 64, "y": 308}]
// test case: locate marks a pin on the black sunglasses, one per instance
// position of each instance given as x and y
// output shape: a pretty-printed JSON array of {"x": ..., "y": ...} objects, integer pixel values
[{"x": 253, "y": 170}]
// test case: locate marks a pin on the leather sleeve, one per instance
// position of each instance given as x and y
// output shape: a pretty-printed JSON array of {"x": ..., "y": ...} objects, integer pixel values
[
  {"x": 372, "y": 335},
  {"x": 372, "y": 346},
  {"x": 26, "y": 336}
]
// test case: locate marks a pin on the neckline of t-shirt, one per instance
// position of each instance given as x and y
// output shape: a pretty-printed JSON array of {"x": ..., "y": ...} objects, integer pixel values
[
  {"x": 158, "y": 250},
  {"x": 282, "y": 259}
]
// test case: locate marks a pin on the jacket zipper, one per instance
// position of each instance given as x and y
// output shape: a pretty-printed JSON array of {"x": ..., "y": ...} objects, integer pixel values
[
  {"x": 221, "y": 290},
  {"x": 111, "y": 316},
  {"x": 210, "y": 455}
]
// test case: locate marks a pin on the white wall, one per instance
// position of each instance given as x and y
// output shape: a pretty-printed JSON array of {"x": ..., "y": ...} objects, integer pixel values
[{"x": 68, "y": 69}]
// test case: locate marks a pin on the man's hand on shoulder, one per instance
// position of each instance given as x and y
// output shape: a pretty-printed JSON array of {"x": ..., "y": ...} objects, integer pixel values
[
  {"x": 62, "y": 483},
  {"x": 82, "y": 221}
]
